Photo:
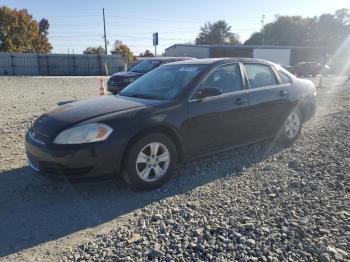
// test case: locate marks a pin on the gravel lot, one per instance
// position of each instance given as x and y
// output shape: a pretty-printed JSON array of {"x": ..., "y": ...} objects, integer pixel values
[{"x": 263, "y": 202}]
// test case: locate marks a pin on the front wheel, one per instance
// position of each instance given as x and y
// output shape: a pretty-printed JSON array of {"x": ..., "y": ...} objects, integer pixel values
[
  {"x": 150, "y": 162},
  {"x": 291, "y": 128}
]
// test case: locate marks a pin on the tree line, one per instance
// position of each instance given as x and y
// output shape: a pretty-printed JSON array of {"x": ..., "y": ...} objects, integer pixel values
[
  {"x": 328, "y": 31},
  {"x": 20, "y": 33}
]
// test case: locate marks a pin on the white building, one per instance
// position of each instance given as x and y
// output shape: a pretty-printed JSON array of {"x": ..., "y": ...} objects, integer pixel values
[{"x": 283, "y": 55}]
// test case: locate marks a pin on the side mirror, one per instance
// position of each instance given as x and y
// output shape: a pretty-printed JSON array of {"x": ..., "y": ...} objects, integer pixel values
[{"x": 208, "y": 92}]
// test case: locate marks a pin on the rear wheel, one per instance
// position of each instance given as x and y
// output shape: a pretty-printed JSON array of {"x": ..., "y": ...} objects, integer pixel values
[
  {"x": 150, "y": 162},
  {"x": 291, "y": 128}
]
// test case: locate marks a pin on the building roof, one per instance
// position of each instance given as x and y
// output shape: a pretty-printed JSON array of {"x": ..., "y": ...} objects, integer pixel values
[
  {"x": 247, "y": 46},
  {"x": 209, "y": 61},
  {"x": 164, "y": 58}
]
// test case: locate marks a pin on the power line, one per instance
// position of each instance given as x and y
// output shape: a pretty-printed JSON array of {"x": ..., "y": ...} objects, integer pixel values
[
  {"x": 73, "y": 16},
  {"x": 117, "y": 37}
]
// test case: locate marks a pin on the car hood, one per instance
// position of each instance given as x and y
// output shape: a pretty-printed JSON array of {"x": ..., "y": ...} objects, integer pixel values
[
  {"x": 49, "y": 124},
  {"x": 126, "y": 74}
]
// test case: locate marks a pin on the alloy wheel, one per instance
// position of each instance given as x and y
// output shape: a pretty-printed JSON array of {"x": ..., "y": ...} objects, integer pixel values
[
  {"x": 152, "y": 162},
  {"x": 292, "y": 125}
]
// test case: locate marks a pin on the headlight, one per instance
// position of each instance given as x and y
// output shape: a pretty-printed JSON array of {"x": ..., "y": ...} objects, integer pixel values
[
  {"x": 88, "y": 133},
  {"x": 129, "y": 80}
]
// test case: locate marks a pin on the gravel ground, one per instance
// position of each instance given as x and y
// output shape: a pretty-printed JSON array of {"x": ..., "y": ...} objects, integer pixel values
[
  {"x": 263, "y": 202},
  {"x": 25, "y": 98}
]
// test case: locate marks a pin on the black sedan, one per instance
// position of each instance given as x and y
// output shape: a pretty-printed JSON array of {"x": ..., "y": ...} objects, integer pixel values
[
  {"x": 177, "y": 112},
  {"x": 118, "y": 81}
]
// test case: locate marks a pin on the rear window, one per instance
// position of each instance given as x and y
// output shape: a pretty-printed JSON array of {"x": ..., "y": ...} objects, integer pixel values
[
  {"x": 284, "y": 78},
  {"x": 145, "y": 66},
  {"x": 260, "y": 75}
]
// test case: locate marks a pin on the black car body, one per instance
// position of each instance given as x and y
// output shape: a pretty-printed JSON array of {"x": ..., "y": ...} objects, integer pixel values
[
  {"x": 118, "y": 81},
  {"x": 197, "y": 120}
]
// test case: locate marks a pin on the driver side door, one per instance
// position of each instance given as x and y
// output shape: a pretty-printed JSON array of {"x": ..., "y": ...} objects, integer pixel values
[{"x": 217, "y": 121}]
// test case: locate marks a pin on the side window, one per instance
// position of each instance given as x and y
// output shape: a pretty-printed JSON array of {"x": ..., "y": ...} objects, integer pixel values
[
  {"x": 284, "y": 78},
  {"x": 225, "y": 78},
  {"x": 260, "y": 75}
]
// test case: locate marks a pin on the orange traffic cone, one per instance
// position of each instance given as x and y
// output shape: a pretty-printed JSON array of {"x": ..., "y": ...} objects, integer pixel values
[{"x": 102, "y": 87}]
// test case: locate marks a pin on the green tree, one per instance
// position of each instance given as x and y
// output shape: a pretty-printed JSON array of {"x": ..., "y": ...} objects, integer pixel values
[
  {"x": 44, "y": 26},
  {"x": 124, "y": 51},
  {"x": 147, "y": 53},
  {"x": 331, "y": 30},
  {"x": 286, "y": 30},
  {"x": 218, "y": 32},
  {"x": 94, "y": 50},
  {"x": 20, "y": 33},
  {"x": 327, "y": 30}
]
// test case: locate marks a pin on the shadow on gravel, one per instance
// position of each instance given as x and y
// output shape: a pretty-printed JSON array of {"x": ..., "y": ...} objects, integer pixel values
[{"x": 35, "y": 209}]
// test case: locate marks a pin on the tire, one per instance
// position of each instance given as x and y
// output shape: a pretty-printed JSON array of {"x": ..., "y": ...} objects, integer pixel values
[
  {"x": 291, "y": 129},
  {"x": 147, "y": 166}
]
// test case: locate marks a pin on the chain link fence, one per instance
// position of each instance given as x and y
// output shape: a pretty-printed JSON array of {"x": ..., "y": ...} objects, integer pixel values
[{"x": 60, "y": 64}]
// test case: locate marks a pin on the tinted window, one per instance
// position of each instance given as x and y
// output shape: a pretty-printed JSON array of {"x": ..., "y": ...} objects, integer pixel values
[
  {"x": 284, "y": 78},
  {"x": 145, "y": 66},
  {"x": 260, "y": 75},
  {"x": 225, "y": 78},
  {"x": 163, "y": 83}
]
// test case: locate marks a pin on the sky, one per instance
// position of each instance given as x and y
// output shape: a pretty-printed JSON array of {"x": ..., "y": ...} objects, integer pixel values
[{"x": 78, "y": 24}]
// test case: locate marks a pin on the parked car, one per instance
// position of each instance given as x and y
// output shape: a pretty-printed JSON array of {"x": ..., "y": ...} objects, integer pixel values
[
  {"x": 308, "y": 69},
  {"x": 118, "y": 81},
  {"x": 290, "y": 69},
  {"x": 177, "y": 112}
]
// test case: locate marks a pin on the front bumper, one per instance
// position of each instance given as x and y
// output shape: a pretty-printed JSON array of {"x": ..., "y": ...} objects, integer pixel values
[
  {"x": 309, "y": 108},
  {"x": 73, "y": 161}
]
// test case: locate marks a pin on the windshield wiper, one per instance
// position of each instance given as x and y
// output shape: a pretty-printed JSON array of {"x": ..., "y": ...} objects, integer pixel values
[
  {"x": 137, "y": 96},
  {"x": 142, "y": 96}
]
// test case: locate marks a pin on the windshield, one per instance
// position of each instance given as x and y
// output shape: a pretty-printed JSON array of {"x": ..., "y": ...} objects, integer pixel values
[
  {"x": 145, "y": 66},
  {"x": 164, "y": 83}
]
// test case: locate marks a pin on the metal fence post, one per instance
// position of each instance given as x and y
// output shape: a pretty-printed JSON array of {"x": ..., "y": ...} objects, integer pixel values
[
  {"x": 74, "y": 66},
  {"x": 88, "y": 63},
  {"x": 47, "y": 64},
  {"x": 13, "y": 66},
  {"x": 39, "y": 65},
  {"x": 99, "y": 64}
]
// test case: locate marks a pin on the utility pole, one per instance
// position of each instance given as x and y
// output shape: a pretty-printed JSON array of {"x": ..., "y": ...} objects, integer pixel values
[
  {"x": 262, "y": 29},
  {"x": 104, "y": 29}
]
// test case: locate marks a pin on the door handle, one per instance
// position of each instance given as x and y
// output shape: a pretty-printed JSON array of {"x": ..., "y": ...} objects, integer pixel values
[
  {"x": 240, "y": 101},
  {"x": 283, "y": 93}
]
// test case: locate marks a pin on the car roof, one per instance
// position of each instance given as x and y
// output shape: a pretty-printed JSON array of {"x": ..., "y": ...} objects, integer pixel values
[
  {"x": 305, "y": 63},
  {"x": 212, "y": 61},
  {"x": 165, "y": 58}
]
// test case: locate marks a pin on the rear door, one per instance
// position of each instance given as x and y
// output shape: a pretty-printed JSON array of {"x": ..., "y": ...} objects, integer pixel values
[
  {"x": 219, "y": 121},
  {"x": 268, "y": 100}
]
